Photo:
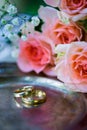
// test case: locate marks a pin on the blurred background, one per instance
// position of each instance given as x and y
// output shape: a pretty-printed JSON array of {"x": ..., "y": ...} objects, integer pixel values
[
  {"x": 24, "y": 7},
  {"x": 28, "y": 6}
]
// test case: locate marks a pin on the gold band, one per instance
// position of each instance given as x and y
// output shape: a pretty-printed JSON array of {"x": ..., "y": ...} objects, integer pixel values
[
  {"x": 28, "y": 96},
  {"x": 23, "y": 91},
  {"x": 37, "y": 97},
  {"x": 29, "y": 105}
]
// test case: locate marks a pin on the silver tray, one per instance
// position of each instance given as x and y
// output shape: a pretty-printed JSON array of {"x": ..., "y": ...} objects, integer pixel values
[{"x": 61, "y": 111}]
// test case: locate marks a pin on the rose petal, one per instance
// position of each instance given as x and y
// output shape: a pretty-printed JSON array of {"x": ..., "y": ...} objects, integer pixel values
[
  {"x": 78, "y": 17},
  {"x": 49, "y": 71},
  {"x": 47, "y": 13},
  {"x": 53, "y": 3},
  {"x": 24, "y": 65},
  {"x": 37, "y": 69},
  {"x": 62, "y": 72}
]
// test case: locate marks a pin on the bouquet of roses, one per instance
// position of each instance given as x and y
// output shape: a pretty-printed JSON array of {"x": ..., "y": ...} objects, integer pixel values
[{"x": 59, "y": 47}]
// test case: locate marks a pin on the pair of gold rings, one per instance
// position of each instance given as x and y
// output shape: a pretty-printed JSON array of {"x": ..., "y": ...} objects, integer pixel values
[{"x": 30, "y": 96}]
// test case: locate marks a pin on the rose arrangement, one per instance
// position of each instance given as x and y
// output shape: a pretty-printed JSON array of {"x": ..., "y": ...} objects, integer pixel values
[{"x": 55, "y": 43}]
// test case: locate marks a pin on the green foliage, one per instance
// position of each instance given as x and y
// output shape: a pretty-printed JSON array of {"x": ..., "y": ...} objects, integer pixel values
[
  {"x": 83, "y": 23},
  {"x": 28, "y": 6}
]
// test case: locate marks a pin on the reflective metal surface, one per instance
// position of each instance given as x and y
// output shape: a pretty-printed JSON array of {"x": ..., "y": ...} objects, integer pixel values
[{"x": 61, "y": 111}]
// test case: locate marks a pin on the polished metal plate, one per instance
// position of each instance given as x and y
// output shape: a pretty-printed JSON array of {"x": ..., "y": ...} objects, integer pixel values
[{"x": 61, "y": 111}]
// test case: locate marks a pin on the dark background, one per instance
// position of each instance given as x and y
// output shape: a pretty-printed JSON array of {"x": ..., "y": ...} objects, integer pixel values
[{"x": 28, "y": 6}]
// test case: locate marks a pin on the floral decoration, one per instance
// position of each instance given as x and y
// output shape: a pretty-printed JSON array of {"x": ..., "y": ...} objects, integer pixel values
[{"x": 53, "y": 42}]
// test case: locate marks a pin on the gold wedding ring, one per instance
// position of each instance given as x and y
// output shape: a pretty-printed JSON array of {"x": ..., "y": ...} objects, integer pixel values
[
  {"x": 37, "y": 97},
  {"x": 28, "y": 96},
  {"x": 23, "y": 91}
]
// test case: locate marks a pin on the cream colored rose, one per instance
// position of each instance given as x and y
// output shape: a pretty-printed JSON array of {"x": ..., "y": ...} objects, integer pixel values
[{"x": 71, "y": 65}]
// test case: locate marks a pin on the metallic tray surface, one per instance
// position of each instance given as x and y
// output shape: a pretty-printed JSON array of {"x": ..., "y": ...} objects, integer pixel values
[{"x": 61, "y": 111}]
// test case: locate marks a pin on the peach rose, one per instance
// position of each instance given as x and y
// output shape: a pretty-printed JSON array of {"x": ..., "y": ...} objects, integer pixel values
[
  {"x": 55, "y": 29},
  {"x": 71, "y": 65},
  {"x": 77, "y": 9},
  {"x": 35, "y": 53}
]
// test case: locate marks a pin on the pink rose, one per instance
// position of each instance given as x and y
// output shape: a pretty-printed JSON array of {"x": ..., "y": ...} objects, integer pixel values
[
  {"x": 35, "y": 53},
  {"x": 71, "y": 65},
  {"x": 77, "y": 9},
  {"x": 55, "y": 29}
]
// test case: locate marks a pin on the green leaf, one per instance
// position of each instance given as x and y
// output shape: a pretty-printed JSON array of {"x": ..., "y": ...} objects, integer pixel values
[{"x": 83, "y": 23}]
